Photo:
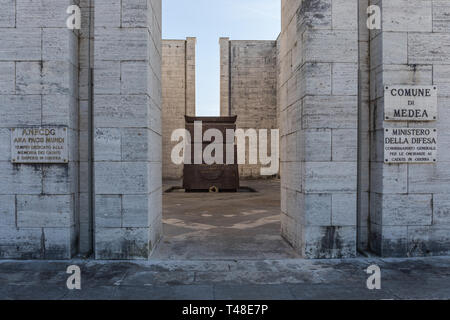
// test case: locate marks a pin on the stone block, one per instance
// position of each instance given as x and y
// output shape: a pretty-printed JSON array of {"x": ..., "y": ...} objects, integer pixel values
[
  {"x": 342, "y": 46},
  {"x": 29, "y": 78},
  {"x": 317, "y": 209},
  {"x": 394, "y": 242},
  {"x": 344, "y": 209},
  {"x": 136, "y": 13},
  {"x": 108, "y": 211},
  {"x": 441, "y": 209},
  {"x": 124, "y": 111},
  {"x": 345, "y": 145},
  {"x": 107, "y": 77},
  {"x": 7, "y": 211},
  {"x": 317, "y": 144},
  {"x": 107, "y": 144},
  {"x": 345, "y": 14},
  {"x": 135, "y": 77},
  {"x": 407, "y": 15},
  {"x": 45, "y": 13},
  {"x": 315, "y": 79},
  {"x": 24, "y": 243},
  {"x": 5, "y": 144},
  {"x": 58, "y": 243},
  {"x": 441, "y": 16},
  {"x": 406, "y": 209},
  {"x": 20, "y": 179},
  {"x": 53, "y": 211},
  {"x": 7, "y": 78},
  {"x": 389, "y": 178},
  {"x": 428, "y": 48},
  {"x": 136, "y": 210},
  {"x": 60, "y": 179},
  {"x": 330, "y": 242},
  {"x": 20, "y": 44},
  {"x": 108, "y": 13},
  {"x": 118, "y": 44},
  {"x": 330, "y": 177},
  {"x": 345, "y": 79},
  {"x": 428, "y": 240},
  {"x": 122, "y": 243},
  {"x": 330, "y": 112},
  {"x": 122, "y": 177},
  {"x": 433, "y": 178},
  {"x": 8, "y": 13}
]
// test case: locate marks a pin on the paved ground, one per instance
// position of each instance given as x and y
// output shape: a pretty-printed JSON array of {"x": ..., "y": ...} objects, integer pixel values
[
  {"x": 241, "y": 225},
  {"x": 226, "y": 246},
  {"x": 417, "y": 278}
]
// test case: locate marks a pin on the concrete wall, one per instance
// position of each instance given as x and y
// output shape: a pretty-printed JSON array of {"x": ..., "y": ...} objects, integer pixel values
[
  {"x": 248, "y": 85},
  {"x": 318, "y": 88},
  {"x": 127, "y": 123},
  {"x": 178, "y": 96},
  {"x": 38, "y": 87},
  {"x": 410, "y": 203}
]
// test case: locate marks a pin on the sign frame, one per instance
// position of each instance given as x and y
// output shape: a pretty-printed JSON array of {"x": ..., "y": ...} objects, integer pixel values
[
  {"x": 429, "y": 158},
  {"x": 410, "y": 108},
  {"x": 42, "y": 144}
]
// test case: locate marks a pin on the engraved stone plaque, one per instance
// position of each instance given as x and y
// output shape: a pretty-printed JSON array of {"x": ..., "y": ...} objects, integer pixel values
[
  {"x": 410, "y": 145},
  {"x": 39, "y": 145},
  {"x": 410, "y": 103}
]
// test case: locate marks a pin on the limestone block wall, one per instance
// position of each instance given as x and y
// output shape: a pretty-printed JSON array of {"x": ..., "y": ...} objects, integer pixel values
[
  {"x": 38, "y": 87},
  {"x": 127, "y": 123},
  {"x": 410, "y": 203},
  {"x": 318, "y": 97},
  {"x": 178, "y": 96},
  {"x": 249, "y": 88}
]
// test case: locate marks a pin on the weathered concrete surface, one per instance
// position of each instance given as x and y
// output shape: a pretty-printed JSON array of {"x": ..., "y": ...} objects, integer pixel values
[
  {"x": 178, "y": 96},
  {"x": 224, "y": 225},
  {"x": 409, "y": 213},
  {"x": 318, "y": 108},
  {"x": 414, "y": 278},
  {"x": 127, "y": 128},
  {"x": 248, "y": 89}
]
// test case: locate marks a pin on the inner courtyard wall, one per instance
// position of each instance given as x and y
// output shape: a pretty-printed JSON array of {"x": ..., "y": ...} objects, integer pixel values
[
  {"x": 249, "y": 89},
  {"x": 178, "y": 96}
]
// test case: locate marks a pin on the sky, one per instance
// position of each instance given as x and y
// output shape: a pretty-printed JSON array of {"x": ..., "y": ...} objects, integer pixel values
[{"x": 208, "y": 20}]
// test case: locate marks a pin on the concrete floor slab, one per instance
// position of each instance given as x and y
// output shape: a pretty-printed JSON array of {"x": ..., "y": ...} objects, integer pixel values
[
  {"x": 228, "y": 279},
  {"x": 241, "y": 225}
]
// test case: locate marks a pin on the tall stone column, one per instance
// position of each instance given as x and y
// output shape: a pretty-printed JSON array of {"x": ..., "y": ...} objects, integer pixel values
[
  {"x": 224, "y": 76},
  {"x": 127, "y": 120},
  {"x": 190, "y": 75},
  {"x": 38, "y": 88},
  {"x": 318, "y": 88},
  {"x": 410, "y": 203}
]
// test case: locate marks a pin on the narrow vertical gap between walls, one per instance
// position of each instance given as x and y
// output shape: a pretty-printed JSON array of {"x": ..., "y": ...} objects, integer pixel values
[{"x": 91, "y": 181}]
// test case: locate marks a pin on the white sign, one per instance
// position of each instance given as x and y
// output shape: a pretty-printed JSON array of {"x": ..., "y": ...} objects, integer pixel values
[
  {"x": 39, "y": 145},
  {"x": 410, "y": 103},
  {"x": 410, "y": 145}
]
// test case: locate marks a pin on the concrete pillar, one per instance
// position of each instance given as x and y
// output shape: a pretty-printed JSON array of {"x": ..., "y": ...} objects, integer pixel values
[
  {"x": 127, "y": 120},
  {"x": 38, "y": 76},
  {"x": 318, "y": 88},
  {"x": 410, "y": 203},
  {"x": 224, "y": 76},
  {"x": 178, "y": 89},
  {"x": 190, "y": 75}
]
